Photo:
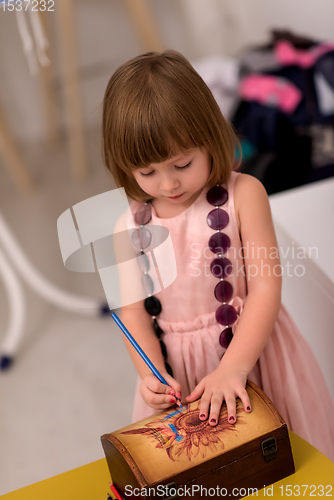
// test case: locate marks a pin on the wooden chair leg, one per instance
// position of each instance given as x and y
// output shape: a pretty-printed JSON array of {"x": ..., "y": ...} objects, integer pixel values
[
  {"x": 72, "y": 89},
  {"x": 49, "y": 103},
  {"x": 144, "y": 24},
  {"x": 13, "y": 160}
]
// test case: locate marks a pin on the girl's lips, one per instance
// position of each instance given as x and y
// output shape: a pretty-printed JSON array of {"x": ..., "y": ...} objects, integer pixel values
[{"x": 174, "y": 197}]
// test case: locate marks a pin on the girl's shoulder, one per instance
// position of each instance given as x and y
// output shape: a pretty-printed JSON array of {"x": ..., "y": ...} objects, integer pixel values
[
  {"x": 245, "y": 183},
  {"x": 250, "y": 196}
]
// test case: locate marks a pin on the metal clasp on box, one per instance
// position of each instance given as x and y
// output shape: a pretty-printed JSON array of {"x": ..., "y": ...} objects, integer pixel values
[
  {"x": 167, "y": 495},
  {"x": 269, "y": 449}
]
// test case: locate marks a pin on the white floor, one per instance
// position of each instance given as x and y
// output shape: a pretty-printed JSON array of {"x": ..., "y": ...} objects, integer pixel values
[{"x": 72, "y": 380}]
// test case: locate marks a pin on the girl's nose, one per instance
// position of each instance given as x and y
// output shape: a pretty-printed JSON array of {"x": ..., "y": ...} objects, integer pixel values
[{"x": 169, "y": 184}]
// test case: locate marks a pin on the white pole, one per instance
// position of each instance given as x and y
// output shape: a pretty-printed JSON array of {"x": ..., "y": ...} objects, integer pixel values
[
  {"x": 17, "y": 307},
  {"x": 38, "y": 283}
]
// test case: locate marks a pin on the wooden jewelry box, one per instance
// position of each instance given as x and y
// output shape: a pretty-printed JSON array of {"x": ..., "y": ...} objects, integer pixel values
[{"x": 173, "y": 454}]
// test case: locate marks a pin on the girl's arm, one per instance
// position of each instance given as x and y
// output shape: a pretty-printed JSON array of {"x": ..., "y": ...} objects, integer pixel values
[
  {"x": 139, "y": 324},
  {"x": 263, "y": 273},
  {"x": 261, "y": 308}
]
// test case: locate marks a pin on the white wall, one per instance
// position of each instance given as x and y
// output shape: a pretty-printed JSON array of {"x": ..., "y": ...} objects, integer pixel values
[
  {"x": 197, "y": 28},
  {"x": 105, "y": 39},
  {"x": 226, "y": 26}
]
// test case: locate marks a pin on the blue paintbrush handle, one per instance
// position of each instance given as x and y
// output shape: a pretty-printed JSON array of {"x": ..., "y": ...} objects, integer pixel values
[{"x": 138, "y": 349}]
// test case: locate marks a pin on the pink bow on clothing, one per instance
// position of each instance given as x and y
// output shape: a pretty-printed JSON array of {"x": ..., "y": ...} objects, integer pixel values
[
  {"x": 273, "y": 91},
  {"x": 288, "y": 55}
]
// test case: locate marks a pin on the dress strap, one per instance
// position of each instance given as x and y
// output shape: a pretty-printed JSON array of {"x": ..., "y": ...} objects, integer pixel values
[
  {"x": 231, "y": 205},
  {"x": 231, "y": 184}
]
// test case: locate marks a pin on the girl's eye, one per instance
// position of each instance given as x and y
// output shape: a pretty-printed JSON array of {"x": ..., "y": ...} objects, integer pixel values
[
  {"x": 178, "y": 168},
  {"x": 146, "y": 175},
  {"x": 185, "y": 166}
]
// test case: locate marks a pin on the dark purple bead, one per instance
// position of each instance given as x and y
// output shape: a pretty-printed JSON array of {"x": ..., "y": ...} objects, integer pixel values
[
  {"x": 223, "y": 291},
  {"x": 143, "y": 214},
  {"x": 157, "y": 329},
  {"x": 217, "y": 196},
  {"x": 147, "y": 284},
  {"x": 169, "y": 369},
  {"x": 221, "y": 267},
  {"x": 152, "y": 306},
  {"x": 226, "y": 337},
  {"x": 219, "y": 243},
  {"x": 163, "y": 349},
  {"x": 226, "y": 315},
  {"x": 141, "y": 238},
  {"x": 217, "y": 219}
]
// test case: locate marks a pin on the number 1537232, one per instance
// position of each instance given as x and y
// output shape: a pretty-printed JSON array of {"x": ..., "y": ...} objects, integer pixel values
[
  {"x": 32, "y": 5},
  {"x": 306, "y": 490}
]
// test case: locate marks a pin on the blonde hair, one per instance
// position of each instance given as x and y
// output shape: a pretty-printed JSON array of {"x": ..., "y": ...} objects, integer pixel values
[{"x": 155, "y": 106}]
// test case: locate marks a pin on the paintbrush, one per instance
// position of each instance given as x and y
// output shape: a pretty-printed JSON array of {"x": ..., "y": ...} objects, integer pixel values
[{"x": 141, "y": 352}]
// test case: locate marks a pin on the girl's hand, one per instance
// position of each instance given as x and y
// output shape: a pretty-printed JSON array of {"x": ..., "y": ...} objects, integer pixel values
[
  {"x": 158, "y": 395},
  {"x": 222, "y": 384}
]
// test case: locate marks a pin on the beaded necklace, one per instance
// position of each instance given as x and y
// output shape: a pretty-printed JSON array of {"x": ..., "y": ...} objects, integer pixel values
[{"x": 220, "y": 267}]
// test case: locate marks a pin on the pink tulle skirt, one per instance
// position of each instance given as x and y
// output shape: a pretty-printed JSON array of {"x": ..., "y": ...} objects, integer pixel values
[{"x": 287, "y": 371}]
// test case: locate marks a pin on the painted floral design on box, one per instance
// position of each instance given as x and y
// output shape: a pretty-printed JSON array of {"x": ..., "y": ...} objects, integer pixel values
[{"x": 181, "y": 433}]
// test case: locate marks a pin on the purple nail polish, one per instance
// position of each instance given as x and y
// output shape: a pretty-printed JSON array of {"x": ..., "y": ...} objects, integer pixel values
[
  {"x": 231, "y": 419},
  {"x": 213, "y": 421},
  {"x": 202, "y": 415},
  {"x": 248, "y": 408}
]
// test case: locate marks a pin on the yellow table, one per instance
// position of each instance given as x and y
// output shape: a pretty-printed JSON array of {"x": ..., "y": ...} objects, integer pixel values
[{"x": 91, "y": 482}]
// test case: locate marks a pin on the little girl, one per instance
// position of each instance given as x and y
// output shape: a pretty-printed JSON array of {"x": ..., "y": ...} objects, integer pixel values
[{"x": 221, "y": 321}]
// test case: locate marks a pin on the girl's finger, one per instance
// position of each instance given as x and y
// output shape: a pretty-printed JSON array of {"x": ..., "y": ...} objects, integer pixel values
[
  {"x": 204, "y": 406},
  {"x": 196, "y": 393},
  {"x": 176, "y": 387},
  {"x": 157, "y": 399},
  {"x": 231, "y": 408},
  {"x": 245, "y": 400},
  {"x": 156, "y": 386},
  {"x": 215, "y": 407}
]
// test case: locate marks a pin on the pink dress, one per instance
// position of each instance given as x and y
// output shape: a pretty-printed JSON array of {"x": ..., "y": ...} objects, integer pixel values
[{"x": 287, "y": 370}]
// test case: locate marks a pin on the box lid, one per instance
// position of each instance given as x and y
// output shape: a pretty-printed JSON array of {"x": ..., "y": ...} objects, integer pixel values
[{"x": 170, "y": 442}]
